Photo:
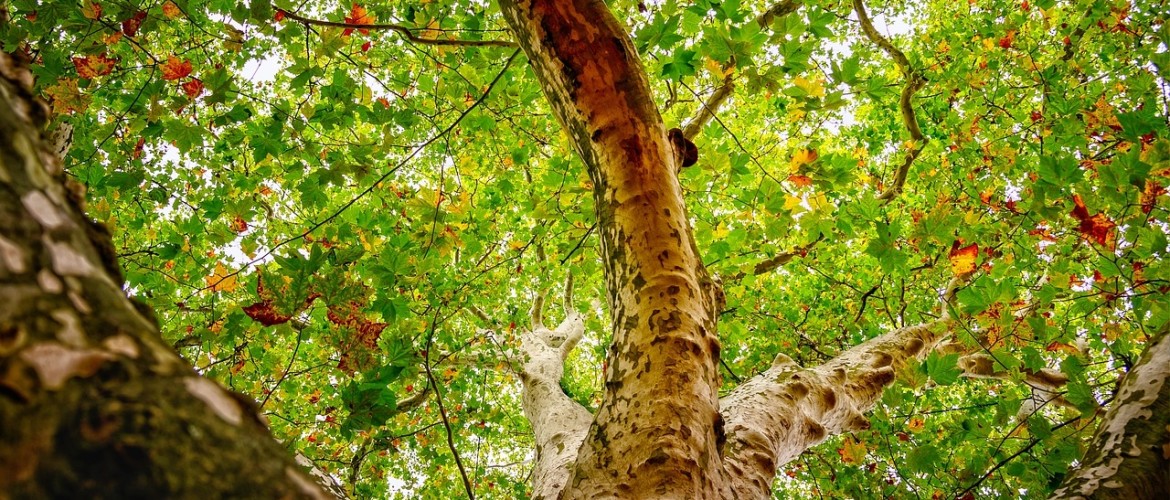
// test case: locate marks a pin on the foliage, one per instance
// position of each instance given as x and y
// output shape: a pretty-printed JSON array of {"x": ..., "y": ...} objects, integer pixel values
[{"x": 313, "y": 211}]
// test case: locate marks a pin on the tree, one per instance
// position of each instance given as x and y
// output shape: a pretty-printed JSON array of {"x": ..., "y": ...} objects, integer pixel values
[{"x": 893, "y": 249}]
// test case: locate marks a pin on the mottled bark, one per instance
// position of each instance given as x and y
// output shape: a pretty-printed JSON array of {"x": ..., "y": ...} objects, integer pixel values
[
  {"x": 1129, "y": 456},
  {"x": 93, "y": 404},
  {"x": 776, "y": 415},
  {"x": 657, "y": 431},
  {"x": 558, "y": 422}
]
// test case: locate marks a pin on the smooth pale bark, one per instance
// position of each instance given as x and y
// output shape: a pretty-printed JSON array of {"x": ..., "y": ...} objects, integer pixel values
[
  {"x": 1129, "y": 457},
  {"x": 93, "y": 403}
]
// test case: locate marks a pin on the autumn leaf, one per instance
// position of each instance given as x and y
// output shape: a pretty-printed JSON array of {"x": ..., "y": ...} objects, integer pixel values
[
  {"x": 852, "y": 451},
  {"x": 801, "y": 158},
  {"x": 175, "y": 69},
  {"x": 279, "y": 15},
  {"x": 1149, "y": 197},
  {"x": 1097, "y": 227},
  {"x": 193, "y": 87},
  {"x": 800, "y": 180},
  {"x": 359, "y": 16},
  {"x": 963, "y": 258},
  {"x": 94, "y": 66},
  {"x": 66, "y": 98},
  {"x": 220, "y": 280},
  {"x": 91, "y": 10},
  {"x": 171, "y": 10},
  {"x": 239, "y": 225},
  {"x": 130, "y": 26}
]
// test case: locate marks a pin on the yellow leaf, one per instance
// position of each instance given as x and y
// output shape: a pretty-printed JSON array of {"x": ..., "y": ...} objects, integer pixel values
[
  {"x": 963, "y": 258},
  {"x": 220, "y": 281},
  {"x": 814, "y": 88},
  {"x": 791, "y": 203},
  {"x": 852, "y": 451},
  {"x": 801, "y": 158}
]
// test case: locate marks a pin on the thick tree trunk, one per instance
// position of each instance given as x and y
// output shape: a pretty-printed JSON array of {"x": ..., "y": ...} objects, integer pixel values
[
  {"x": 93, "y": 403},
  {"x": 1130, "y": 453},
  {"x": 658, "y": 431}
]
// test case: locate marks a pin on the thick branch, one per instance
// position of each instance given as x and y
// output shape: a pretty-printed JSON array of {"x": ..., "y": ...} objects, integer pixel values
[
  {"x": 1128, "y": 458},
  {"x": 405, "y": 31},
  {"x": 914, "y": 82},
  {"x": 558, "y": 422}
]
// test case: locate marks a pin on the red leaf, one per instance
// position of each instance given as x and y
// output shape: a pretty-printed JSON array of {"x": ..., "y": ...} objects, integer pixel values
[
  {"x": 193, "y": 88},
  {"x": 175, "y": 69},
  {"x": 279, "y": 15},
  {"x": 1096, "y": 227},
  {"x": 366, "y": 46},
  {"x": 131, "y": 25},
  {"x": 265, "y": 313},
  {"x": 94, "y": 66}
]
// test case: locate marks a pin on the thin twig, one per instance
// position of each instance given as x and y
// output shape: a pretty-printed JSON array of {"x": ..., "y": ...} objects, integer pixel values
[{"x": 443, "y": 411}]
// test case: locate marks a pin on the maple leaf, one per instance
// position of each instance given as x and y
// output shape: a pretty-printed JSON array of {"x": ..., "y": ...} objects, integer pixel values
[
  {"x": 279, "y": 15},
  {"x": 220, "y": 280},
  {"x": 1096, "y": 227},
  {"x": 802, "y": 157},
  {"x": 852, "y": 451},
  {"x": 193, "y": 87},
  {"x": 359, "y": 16},
  {"x": 171, "y": 10},
  {"x": 130, "y": 26},
  {"x": 239, "y": 225},
  {"x": 963, "y": 258},
  {"x": 66, "y": 98},
  {"x": 800, "y": 180},
  {"x": 175, "y": 69},
  {"x": 94, "y": 66}
]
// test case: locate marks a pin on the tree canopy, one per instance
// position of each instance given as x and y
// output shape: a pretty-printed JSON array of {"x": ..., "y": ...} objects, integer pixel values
[{"x": 355, "y": 213}]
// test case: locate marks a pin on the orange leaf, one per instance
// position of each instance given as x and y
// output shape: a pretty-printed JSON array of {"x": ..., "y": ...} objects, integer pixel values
[
  {"x": 1096, "y": 227},
  {"x": 358, "y": 15},
  {"x": 171, "y": 10},
  {"x": 802, "y": 157},
  {"x": 94, "y": 66},
  {"x": 239, "y": 225},
  {"x": 1150, "y": 195},
  {"x": 800, "y": 180},
  {"x": 175, "y": 69},
  {"x": 963, "y": 258},
  {"x": 193, "y": 88}
]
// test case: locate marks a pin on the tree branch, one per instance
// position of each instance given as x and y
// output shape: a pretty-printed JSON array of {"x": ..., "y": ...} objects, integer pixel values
[
  {"x": 914, "y": 82},
  {"x": 406, "y": 32}
]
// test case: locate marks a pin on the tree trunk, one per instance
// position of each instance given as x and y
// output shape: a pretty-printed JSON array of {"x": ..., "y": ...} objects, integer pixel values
[
  {"x": 1130, "y": 453},
  {"x": 93, "y": 403}
]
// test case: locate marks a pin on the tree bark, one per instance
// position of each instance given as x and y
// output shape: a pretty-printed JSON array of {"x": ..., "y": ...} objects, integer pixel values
[
  {"x": 93, "y": 403},
  {"x": 1130, "y": 453},
  {"x": 657, "y": 431}
]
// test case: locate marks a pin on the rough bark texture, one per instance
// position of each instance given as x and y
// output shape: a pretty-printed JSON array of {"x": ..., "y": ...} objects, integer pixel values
[
  {"x": 93, "y": 404},
  {"x": 658, "y": 429},
  {"x": 1130, "y": 452}
]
